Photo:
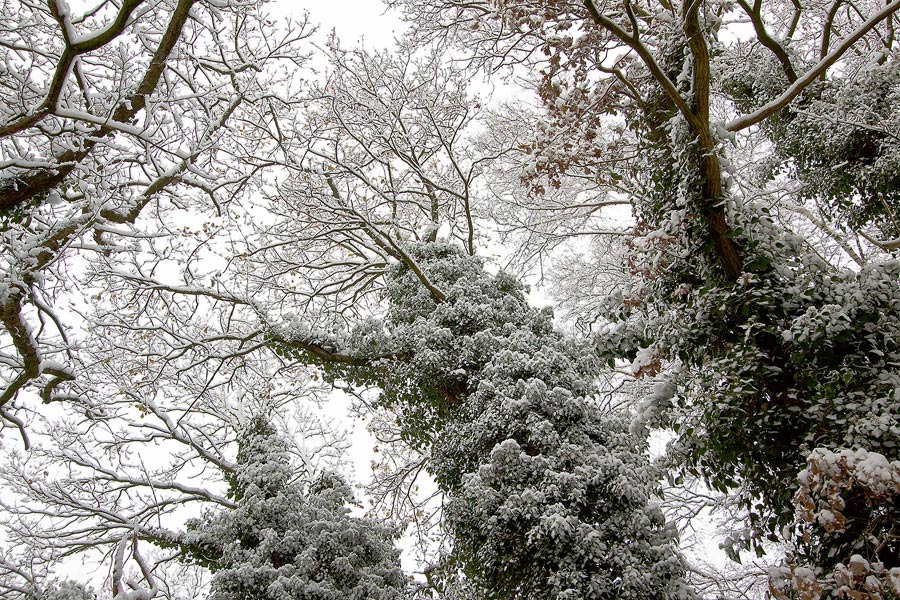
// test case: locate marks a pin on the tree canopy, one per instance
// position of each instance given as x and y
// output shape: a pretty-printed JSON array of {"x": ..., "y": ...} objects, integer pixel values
[{"x": 217, "y": 226}]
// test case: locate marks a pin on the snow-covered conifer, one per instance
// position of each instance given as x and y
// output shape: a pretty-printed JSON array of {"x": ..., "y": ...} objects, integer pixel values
[{"x": 289, "y": 540}]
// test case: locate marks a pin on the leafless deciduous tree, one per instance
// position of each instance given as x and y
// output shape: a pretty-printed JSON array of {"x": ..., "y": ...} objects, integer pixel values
[{"x": 111, "y": 115}]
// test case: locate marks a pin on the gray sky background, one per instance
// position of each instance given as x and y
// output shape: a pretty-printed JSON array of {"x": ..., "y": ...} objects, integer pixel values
[{"x": 353, "y": 20}]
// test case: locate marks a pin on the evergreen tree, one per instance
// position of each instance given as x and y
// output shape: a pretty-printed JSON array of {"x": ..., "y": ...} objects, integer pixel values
[
  {"x": 549, "y": 493},
  {"x": 286, "y": 540}
]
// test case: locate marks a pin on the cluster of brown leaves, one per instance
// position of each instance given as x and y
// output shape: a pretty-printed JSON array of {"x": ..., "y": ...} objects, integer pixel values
[{"x": 827, "y": 483}]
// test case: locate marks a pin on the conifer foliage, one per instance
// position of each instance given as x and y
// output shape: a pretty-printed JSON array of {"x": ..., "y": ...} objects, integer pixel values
[
  {"x": 549, "y": 494},
  {"x": 286, "y": 540}
]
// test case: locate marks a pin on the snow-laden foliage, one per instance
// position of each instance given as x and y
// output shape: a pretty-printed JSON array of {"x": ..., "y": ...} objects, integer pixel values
[
  {"x": 852, "y": 496},
  {"x": 796, "y": 353},
  {"x": 549, "y": 494},
  {"x": 286, "y": 540},
  {"x": 711, "y": 120},
  {"x": 765, "y": 347},
  {"x": 839, "y": 141},
  {"x": 67, "y": 590},
  {"x": 53, "y": 590}
]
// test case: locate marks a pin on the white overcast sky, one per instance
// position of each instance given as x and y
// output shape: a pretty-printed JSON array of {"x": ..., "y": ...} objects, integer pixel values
[{"x": 353, "y": 20}]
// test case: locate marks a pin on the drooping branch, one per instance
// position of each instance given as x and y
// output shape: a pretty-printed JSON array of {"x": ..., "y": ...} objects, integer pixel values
[{"x": 23, "y": 341}]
